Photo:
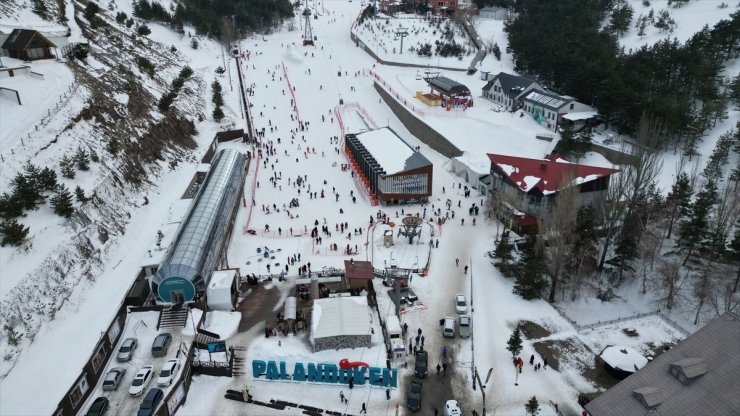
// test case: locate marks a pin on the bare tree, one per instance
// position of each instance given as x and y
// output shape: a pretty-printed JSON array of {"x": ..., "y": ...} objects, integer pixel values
[
  {"x": 669, "y": 278},
  {"x": 557, "y": 229},
  {"x": 634, "y": 182}
]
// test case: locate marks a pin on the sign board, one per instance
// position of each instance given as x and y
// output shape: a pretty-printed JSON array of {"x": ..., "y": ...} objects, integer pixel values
[
  {"x": 326, "y": 373},
  {"x": 217, "y": 346}
]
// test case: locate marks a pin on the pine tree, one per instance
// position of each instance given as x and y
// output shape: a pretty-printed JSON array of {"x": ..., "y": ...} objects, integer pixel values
[
  {"x": 532, "y": 407},
  {"x": 218, "y": 114},
  {"x": 583, "y": 257},
  {"x": 694, "y": 229},
  {"x": 621, "y": 18},
  {"x": 679, "y": 199},
  {"x": 80, "y": 194},
  {"x": 529, "y": 273},
  {"x": 62, "y": 202},
  {"x": 626, "y": 248},
  {"x": 67, "y": 166},
  {"x": 143, "y": 30},
  {"x": 11, "y": 206},
  {"x": 497, "y": 51},
  {"x": 48, "y": 179},
  {"x": 514, "y": 345},
  {"x": 14, "y": 233},
  {"x": 82, "y": 159},
  {"x": 113, "y": 146},
  {"x": 216, "y": 97},
  {"x": 504, "y": 256},
  {"x": 26, "y": 191}
]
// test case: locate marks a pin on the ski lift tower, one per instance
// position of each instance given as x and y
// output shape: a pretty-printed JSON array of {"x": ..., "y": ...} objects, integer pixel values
[
  {"x": 401, "y": 32},
  {"x": 307, "y": 32},
  {"x": 410, "y": 228}
]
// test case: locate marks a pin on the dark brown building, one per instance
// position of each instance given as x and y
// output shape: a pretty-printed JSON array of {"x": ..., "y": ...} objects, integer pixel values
[
  {"x": 28, "y": 45},
  {"x": 359, "y": 274},
  {"x": 393, "y": 171}
]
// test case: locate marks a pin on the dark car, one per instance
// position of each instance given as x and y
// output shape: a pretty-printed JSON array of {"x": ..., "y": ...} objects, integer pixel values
[
  {"x": 413, "y": 399},
  {"x": 150, "y": 402},
  {"x": 98, "y": 408},
  {"x": 160, "y": 344},
  {"x": 422, "y": 362}
]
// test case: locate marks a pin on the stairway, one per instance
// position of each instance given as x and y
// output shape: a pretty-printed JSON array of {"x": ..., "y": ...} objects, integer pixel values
[
  {"x": 202, "y": 340},
  {"x": 238, "y": 361},
  {"x": 173, "y": 318}
]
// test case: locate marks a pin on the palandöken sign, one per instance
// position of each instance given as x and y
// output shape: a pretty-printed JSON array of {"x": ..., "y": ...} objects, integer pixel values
[{"x": 326, "y": 373}]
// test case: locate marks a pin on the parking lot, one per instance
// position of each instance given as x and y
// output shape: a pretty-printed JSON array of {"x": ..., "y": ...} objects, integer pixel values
[{"x": 142, "y": 326}]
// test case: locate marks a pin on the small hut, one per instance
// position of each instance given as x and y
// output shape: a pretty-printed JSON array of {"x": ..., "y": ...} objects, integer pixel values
[
  {"x": 449, "y": 92},
  {"x": 359, "y": 274},
  {"x": 621, "y": 362},
  {"x": 28, "y": 45}
]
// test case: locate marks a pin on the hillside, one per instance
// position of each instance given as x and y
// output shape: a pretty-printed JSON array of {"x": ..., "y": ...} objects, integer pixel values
[{"x": 106, "y": 106}]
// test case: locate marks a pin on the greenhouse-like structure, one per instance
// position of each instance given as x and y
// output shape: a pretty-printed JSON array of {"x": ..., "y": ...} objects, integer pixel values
[{"x": 183, "y": 275}]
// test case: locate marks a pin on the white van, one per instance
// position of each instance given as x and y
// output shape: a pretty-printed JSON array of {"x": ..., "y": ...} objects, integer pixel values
[
  {"x": 393, "y": 327},
  {"x": 465, "y": 322},
  {"x": 452, "y": 408},
  {"x": 448, "y": 327}
]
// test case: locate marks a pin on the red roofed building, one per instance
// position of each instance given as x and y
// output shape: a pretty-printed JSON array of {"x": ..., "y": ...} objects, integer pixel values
[
  {"x": 359, "y": 274},
  {"x": 530, "y": 186}
]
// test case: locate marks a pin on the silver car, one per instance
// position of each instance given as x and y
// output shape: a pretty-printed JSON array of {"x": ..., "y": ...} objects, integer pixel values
[
  {"x": 127, "y": 349},
  {"x": 113, "y": 378}
]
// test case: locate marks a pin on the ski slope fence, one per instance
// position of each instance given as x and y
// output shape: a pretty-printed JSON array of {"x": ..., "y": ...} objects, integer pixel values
[{"x": 292, "y": 93}]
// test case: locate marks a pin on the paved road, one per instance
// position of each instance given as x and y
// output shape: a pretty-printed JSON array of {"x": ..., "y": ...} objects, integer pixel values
[{"x": 257, "y": 307}]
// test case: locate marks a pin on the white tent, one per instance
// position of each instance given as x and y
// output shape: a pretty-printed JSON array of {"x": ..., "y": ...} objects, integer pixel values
[
  {"x": 221, "y": 291},
  {"x": 340, "y": 322},
  {"x": 471, "y": 168}
]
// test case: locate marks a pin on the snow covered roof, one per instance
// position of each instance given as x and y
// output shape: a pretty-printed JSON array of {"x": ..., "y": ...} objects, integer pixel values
[
  {"x": 580, "y": 115},
  {"x": 623, "y": 358},
  {"x": 546, "y": 99},
  {"x": 221, "y": 279},
  {"x": 511, "y": 85},
  {"x": 340, "y": 316},
  {"x": 390, "y": 151},
  {"x": 544, "y": 175},
  {"x": 714, "y": 393},
  {"x": 447, "y": 85}
]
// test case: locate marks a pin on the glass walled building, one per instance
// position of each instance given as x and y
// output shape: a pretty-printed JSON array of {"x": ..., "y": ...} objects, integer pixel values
[{"x": 183, "y": 275}]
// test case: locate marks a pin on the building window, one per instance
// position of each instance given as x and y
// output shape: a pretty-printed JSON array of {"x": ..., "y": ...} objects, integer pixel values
[
  {"x": 571, "y": 105},
  {"x": 98, "y": 358},
  {"x": 78, "y": 392}
]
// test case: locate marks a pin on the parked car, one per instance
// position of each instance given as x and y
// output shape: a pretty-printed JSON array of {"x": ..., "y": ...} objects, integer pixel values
[
  {"x": 168, "y": 372},
  {"x": 98, "y": 408},
  {"x": 422, "y": 362},
  {"x": 413, "y": 399},
  {"x": 127, "y": 349},
  {"x": 160, "y": 344},
  {"x": 141, "y": 380},
  {"x": 448, "y": 327},
  {"x": 150, "y": 403},
  {"x": 452, "y": 408},
  {"x": 465, "y": 326},
  {"x": 461, "y": 305},
  {"x": 113, "y": 378}
]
